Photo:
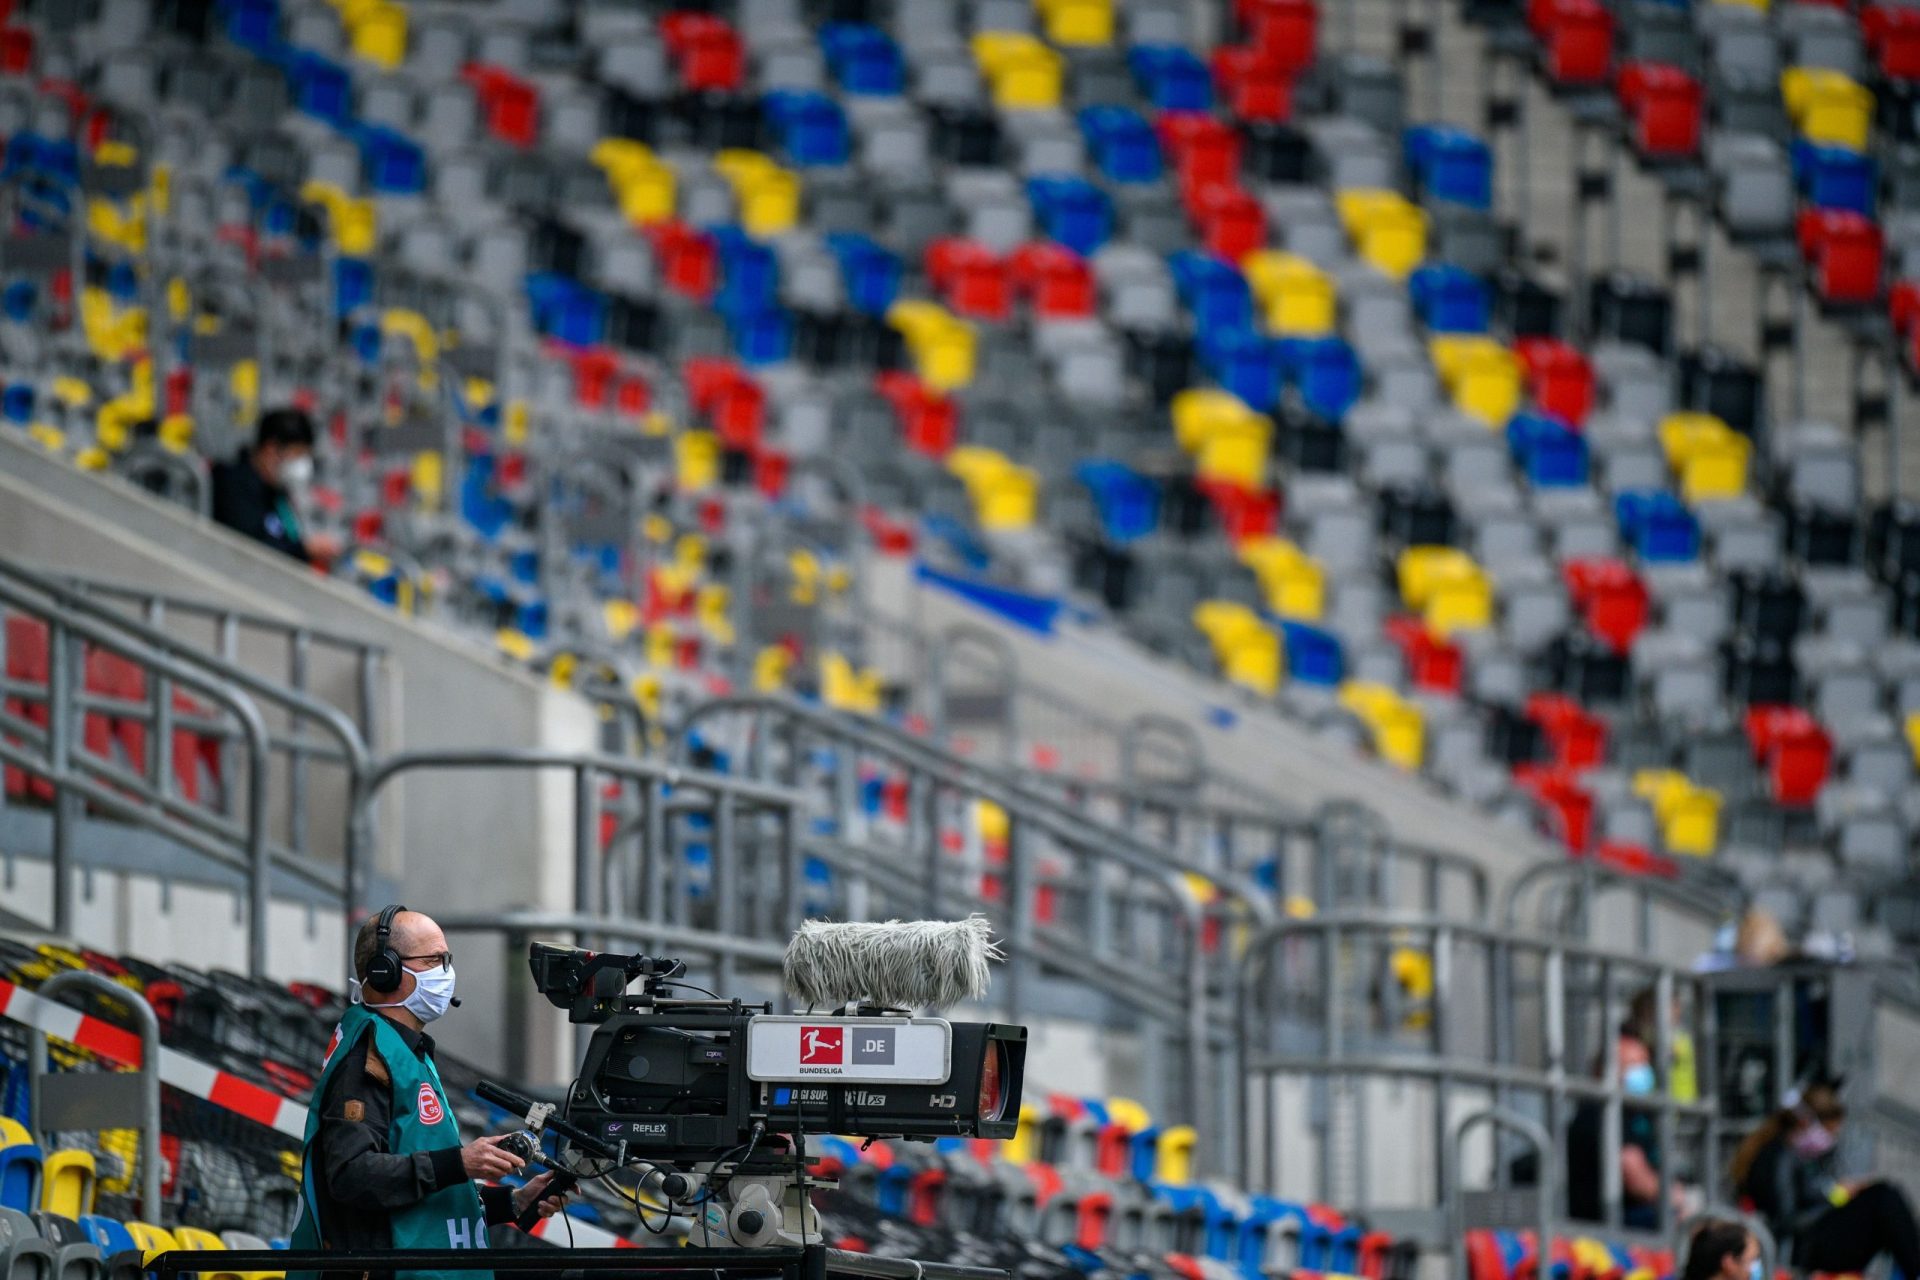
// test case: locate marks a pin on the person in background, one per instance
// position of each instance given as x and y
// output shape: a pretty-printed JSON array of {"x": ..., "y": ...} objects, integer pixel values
[
  {"x": 1722, "y": 1250},
  {"x": 1822, "y": 1222},
  {"x": 1682, "y": 1073},
  {"x": 254, "y": 492},
  {"x": 1639, "y": 1147}
]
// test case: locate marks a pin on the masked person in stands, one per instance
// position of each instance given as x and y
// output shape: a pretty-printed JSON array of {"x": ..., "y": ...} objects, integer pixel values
[
  {"x": 384, "y": 1164},
  {"x": 254, "y": 492},
  {"x": 1639, "y": 1146},
  {"x": 1823, "y": 1223},
  {"x": 1722, "y": 1250}
]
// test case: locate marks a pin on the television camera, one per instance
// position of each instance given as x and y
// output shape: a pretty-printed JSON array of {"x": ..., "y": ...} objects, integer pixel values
[{"x": 716, "y": 1095}]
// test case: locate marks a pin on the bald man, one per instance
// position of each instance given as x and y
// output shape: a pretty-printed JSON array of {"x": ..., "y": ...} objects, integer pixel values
[{"x": 385, "y": 1167}]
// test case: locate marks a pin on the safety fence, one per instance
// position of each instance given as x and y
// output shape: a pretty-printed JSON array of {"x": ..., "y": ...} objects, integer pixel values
[{"x": 1388, "y": 1030}]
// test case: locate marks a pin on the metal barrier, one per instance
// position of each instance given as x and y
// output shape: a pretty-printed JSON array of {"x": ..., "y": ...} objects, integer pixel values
[
  {"x": 102, "y": 1100},
  {"x": 1150, "y": 776},
  {"x": 1569, "y": 895},
  {"x": 642, "y": 871},
  {"x": 233, "y": 834},
  {"x": 342, "y": 741},
  {"x": 1456, "y": 1013},
  {"x": 1118, "y": 909},
  {"x": 1539, "y": 1141}
]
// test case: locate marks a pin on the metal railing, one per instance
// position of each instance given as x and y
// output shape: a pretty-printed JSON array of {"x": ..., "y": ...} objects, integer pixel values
[
  {"x": 302, "y": 730},
  {"x": 79, "y": 769},
  {"x": 1079, "y": 900},
  {"x": 1456, "y": 1015},
  {"x": 104, "y": 1099}
]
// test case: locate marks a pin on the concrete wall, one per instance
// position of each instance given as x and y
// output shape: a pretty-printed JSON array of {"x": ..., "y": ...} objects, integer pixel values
[{"x": 470, "y": 842}]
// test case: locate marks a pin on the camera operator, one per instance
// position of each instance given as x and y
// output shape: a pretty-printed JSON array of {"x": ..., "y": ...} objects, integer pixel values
[{"x": 384, "y": 1164}]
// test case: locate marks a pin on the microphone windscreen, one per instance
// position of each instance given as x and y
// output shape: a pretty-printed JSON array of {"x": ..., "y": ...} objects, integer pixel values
[{"x": 895, "y": 964}]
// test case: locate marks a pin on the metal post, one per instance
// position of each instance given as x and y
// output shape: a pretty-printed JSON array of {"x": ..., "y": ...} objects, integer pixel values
[
  {"x": 1543, "y": 1152},
  {"x": 726, "y": 884},
  {"x": 299, "y": 650},
  {"x": 584, "y": 833},
  {"x": 62, "y": 706},
  {"x": 148, "y": 1028},
  {"x": 1020, "y": 891}
]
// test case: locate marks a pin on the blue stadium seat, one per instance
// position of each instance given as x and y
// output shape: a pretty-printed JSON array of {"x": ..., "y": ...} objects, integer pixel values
[
  {"x": 1313, "y": 654},
  {"x": 1072, "y": 211},
  {"x": 1659, "y": 526},
  {"x": 1213, "y": 290},
  {"x": 1128, "y": 502},
  {"x": 863, "y": 58},
  {"x": 811, "y": 127},
  {"x": 1450, "y": 164},
  {"x": 1836, "y": 177},
  {"x": 1172, "y": 77},
  {"x": 1450, "y": 300},
  {"x": 1122, "y": 143},
  {"x": 1550, "y": 452},
  {"x": 869, "y": 271}
]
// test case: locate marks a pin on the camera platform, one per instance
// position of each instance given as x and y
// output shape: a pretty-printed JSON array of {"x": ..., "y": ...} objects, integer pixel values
[{"x": 811, "y": 1262}]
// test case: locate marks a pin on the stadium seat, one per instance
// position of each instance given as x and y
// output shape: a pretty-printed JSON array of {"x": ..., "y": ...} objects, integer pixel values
[
  {"x": 20, "y": 1167},
  {"x": 23, "y": 1252},
  {"x": 68, "y": 1183}
]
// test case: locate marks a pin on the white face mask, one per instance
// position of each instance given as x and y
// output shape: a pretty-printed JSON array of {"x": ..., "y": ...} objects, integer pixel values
[
  {"x": 296, "y": 473},
  {"x": 431, "y": 995}
]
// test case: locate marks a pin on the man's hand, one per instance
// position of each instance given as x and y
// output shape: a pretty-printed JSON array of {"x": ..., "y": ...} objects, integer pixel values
[
  {"x": 484, "y": 1158},
  {"x": 536, "y": 1190}
]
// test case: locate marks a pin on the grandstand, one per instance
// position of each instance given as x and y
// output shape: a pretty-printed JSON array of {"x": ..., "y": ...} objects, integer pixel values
[{"x": 1363, "y": 535}]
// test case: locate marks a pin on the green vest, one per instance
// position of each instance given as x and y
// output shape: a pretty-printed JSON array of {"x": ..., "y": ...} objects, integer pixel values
[{"x": 450, "y": 1218}]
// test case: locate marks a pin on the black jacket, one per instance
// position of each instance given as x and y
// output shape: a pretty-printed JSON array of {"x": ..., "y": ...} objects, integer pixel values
[
  {"x": 244, "y": 501},
  {"x": 1790, "y": 1192},
  {"x": 356, "y": 1180}
]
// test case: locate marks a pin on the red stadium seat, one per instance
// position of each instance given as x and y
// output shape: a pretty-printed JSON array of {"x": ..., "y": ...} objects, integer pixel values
[
  {"x": 706, "y": 50},
  {"x": 1205, "y": 150},
  {"x": 1055, "y": 279},
  {"x": 1564, "y": 803},
  {"x": 688, "y": 258},
  {"x": 1666, "y": 106},
  {"x": 1577, "y": 736},
  {"x": 1797, "y": 752},
  {"x": 1434, "y": 663},
  {"x": 1578, "y": 40},
  {"x": 1232, "y": 223},
  {"x": 1893, "y": 37},
  {"x": 1610, "y": 596},
  {"x": 1560, "y": 378},
  {"x": 510, "y": 105},
  {"x": 27, "y": 663},
  {"x": 974, "y": 280},
  {"x": 1285, "y": 30},
  {"x": 929, "y": 420},
  {"x": 1846, "y": 252},
  {"x": 1254, "y": 84}
]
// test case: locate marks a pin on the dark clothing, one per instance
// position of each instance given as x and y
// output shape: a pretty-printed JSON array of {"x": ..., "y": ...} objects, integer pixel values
[
  {"x": 246, "y": 502},
  {"x": 1846, "y": 1239},
  {"x": 1586, "y": 1201},
  {"x": 358, "y": 1182},
  {"x": 1792, "y": 1194}
]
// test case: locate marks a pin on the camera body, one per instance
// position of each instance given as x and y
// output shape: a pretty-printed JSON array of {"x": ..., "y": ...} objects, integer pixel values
[{"x": 685, "y": 1082}]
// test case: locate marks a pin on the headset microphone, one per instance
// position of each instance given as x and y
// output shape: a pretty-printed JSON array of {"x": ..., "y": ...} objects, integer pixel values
[{"x": 454, "y": 1001}]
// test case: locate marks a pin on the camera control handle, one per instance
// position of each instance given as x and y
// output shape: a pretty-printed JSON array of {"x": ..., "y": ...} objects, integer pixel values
[
  {"x": 540, "y": 1116},
  {"x": 523, "y": 1145}
]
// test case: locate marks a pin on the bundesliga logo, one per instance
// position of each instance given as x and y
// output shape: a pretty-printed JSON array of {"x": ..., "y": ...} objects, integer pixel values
[{"x": 822, "y": 1046}]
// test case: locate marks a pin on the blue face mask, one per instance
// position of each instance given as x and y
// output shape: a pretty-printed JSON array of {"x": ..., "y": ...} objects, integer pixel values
[
  {"x": 1756, "y": 1270},
  {"x": 1638, "y": 1079}
]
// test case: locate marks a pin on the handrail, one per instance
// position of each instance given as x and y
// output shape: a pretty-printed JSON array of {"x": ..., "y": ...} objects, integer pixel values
[
  {"x": 1588, "y": 878},
  {"x": 1573, "y": 980},
  {"x": 1029, "y": 813},
  {"x": 355, "y": 753},
  {"x": 160, "y": 810},
  {"x": 148, "y": 1028},
  {"x": 1049, "y": 812},
  {"x": 1542, "y": 1143}
]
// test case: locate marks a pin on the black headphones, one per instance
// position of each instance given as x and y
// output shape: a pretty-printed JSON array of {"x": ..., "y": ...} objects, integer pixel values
[{"x": 383, "y": 971}]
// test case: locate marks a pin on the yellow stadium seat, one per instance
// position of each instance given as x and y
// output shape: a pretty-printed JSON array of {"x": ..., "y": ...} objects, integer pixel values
[
  {"x": 1129, "y": 1115},
  {"x": 1689, "y": 815},
  {"x": 1078, "y": 22},
  {"x": 48, "y": 436},
  {"x": 1761, "y": 5},
  {"x": 768, "y": 195},
  {"x": 1024, "y": 1146},
  {"x": 200, "y": 1240},
  {"x": 1484, "y": 378},
  {"x": 1397, "y": 726},
  {"x": 151, "y": 1239},
  {"x": 1173, "y": 1163},
  {"x": 1248, "y": 651},
  {"x": 1912, "y": 728},
  {"x": 1237, "y": 452},
  {"x": 644, "y": 186},
  {"x": 379, "y": 35},
  {"x": 1293, "y": 582},
  {"x": 621, "y": 617},
  {"x": 1709, "y": 456},
  {"x": 429, "y": 477},
  {"x": 990, "y": 820},
  {"x": 710, "y": 607},
  {"x": 67, "y": 1182},
  {"x": 1298, "y": 298},
  {"x": 176, "y": 432},
  {"x": 1446, "y": 587},
  {"x": 1199, "y": 412},
  {"x": 516, "y": 644},
  {"x": 1387, "y": 229},
  {"x": 771, "y": 667},
  {"x": 647, "y": 689},
  {"x": 1828, "y": 107},
  {"x": 845, "y": 689},
  {"x": 942, "y": 344},
  {"x": 1024, "y": 73},
  {"x": 1004, "y": 493},
  {"x": 697, "y": 460}
]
